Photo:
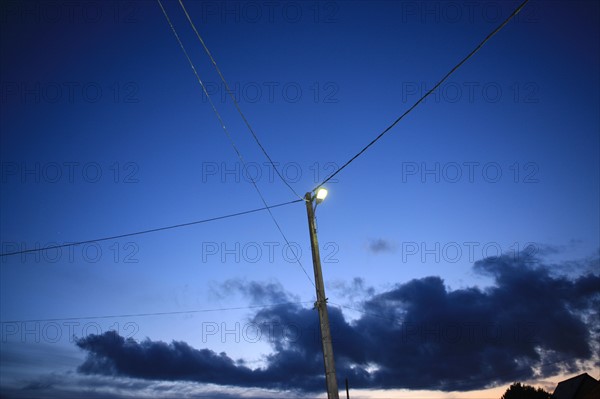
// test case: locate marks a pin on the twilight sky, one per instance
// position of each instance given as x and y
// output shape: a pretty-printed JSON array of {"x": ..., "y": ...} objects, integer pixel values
[{"x": 460, "y": 252}]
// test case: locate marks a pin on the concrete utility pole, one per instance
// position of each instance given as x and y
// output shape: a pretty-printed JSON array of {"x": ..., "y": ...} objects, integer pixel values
[{"x": 321, "y": 303}]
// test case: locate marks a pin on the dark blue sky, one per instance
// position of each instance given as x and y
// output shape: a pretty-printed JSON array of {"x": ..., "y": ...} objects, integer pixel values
[{"x": 105, "y": 130}]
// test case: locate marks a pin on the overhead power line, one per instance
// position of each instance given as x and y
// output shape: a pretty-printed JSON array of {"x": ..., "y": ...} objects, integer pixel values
[
  {"x": 155, "y": 313},
  {"x": 175, "y": 226},
  {"x": 235, "y": 102},
  {"x": 231, "y": 141},
  {"x": 434, "y": 88}
]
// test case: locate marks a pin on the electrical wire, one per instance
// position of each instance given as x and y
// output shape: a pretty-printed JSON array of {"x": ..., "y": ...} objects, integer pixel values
[
  {"x": 226, "y": 131},
  {"x": 155, "y": 313},
  {"x": 147, "y": 231},
  {"x": 438, "y": 84},
  {"x": 237, "y": 105}
]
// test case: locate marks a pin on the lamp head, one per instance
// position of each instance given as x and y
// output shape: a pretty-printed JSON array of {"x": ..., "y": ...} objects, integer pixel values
[{"x": 321, "y": 194}]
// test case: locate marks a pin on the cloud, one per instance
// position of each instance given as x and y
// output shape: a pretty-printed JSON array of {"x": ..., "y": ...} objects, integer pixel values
[
  {"x": 420, "y": 334},
  {"x": 380, "y": 245},
  {"x": 353, "y": 292},
  {"x": 573, "y": 268},
  {"x": 76, "y": 386},
  {"x": 112, "y": 355},
  {"x": 257, "y": 293}
]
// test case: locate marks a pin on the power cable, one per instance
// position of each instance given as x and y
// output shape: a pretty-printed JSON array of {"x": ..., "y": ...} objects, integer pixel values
[
  {"x": 237, "y": 105},
  {"x": 154, "y": 313},
  {"x": 147, "y": 231},
  {"x": 226, "y": 131},
  {"x": 438, "y": 84}
]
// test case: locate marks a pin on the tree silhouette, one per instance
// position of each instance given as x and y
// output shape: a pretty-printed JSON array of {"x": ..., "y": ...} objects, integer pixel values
[{"x": 522, "y": 391}]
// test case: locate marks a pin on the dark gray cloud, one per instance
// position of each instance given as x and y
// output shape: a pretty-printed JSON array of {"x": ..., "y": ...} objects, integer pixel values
[
  {"x": 257, "y": 293},
  {"x": 380, "y": 245},
  {"x": 574, "y": 268},
  {"x": 353, "y": 291},
  {"x": 530, "y": 323}
]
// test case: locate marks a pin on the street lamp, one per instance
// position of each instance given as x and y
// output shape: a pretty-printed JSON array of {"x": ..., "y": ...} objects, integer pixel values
[
  {"x": 321, "y": 194},
  {"x": 321, "y": 303}
]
